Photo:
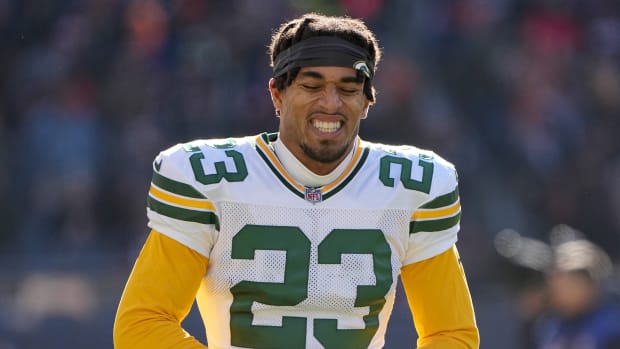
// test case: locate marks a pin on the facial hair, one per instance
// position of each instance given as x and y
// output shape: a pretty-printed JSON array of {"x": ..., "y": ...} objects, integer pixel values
[{"x": 324, "y": 154}]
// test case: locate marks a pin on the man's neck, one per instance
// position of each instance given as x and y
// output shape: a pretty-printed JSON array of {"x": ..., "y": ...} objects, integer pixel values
[{"x": 302, "y": 173}]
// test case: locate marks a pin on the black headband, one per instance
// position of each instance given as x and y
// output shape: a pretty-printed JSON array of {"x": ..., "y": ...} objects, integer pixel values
[{"x": 324, "y": 51}]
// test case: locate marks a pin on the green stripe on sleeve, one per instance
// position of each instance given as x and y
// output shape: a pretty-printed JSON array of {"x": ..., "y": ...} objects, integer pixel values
[
  {"x": 176, "y": 187},
  {"x": 444, "y": 200},
  {"x": 434, "y": 225},
  {"x": 182, "y": 213}
]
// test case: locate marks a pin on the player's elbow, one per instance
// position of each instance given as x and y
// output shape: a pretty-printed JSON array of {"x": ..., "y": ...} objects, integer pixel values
[
  {"x": 121, "y": 332},
  {"x": 131, "y": 327},
  {"x": 119, "y": 338},
  {"x": 470, "y": 338},
  {"x": 463, "y": 338},
  {"x": 139, "y": 328}
]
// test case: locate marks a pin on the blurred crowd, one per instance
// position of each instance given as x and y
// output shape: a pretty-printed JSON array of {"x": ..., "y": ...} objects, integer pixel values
[
  {"x": 522, "y": 95},
  {"x": 566, "y": 291}
]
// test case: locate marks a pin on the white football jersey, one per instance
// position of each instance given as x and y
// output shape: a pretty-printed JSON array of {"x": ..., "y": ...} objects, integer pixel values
[{"x": 297, "y": 267}]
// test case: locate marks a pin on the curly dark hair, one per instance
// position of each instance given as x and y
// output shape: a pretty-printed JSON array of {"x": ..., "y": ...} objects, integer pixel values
[{"x": 313, "y": 24}]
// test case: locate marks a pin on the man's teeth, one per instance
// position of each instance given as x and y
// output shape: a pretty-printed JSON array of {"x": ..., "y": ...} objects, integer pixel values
[{"x": 326, "y": 126}]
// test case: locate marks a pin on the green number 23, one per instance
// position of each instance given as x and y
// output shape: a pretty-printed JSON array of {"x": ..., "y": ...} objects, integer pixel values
[{"x": 294, "y": 289}]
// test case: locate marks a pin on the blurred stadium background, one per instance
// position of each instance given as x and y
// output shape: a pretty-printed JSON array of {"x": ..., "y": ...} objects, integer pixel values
[{"x": 523, "y": 96}]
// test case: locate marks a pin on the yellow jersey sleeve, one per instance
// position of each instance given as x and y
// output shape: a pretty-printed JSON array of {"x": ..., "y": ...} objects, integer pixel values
[
  {"x": 158, "y": 296},
  {"x": 440, "y": 302}
]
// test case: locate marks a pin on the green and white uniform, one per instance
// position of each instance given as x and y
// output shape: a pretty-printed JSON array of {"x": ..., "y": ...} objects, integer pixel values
[{"x": 297, "y": 267}]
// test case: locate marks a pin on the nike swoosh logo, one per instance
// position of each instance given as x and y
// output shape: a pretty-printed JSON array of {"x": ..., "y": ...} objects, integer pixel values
[{"x": 157, "y": 163}]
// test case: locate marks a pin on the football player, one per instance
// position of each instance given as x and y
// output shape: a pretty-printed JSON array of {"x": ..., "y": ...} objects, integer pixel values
[{"x": 296, "y": 239}]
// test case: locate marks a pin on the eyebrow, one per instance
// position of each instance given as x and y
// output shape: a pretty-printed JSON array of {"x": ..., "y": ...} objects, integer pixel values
[{"x": 317, "y": 75}]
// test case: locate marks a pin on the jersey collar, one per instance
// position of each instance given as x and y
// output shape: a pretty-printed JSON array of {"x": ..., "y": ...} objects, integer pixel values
[{"x": 265, "y": 150}]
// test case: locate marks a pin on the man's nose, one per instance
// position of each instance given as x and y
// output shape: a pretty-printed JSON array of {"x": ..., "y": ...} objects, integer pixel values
[{"x": 331, "y": 99}]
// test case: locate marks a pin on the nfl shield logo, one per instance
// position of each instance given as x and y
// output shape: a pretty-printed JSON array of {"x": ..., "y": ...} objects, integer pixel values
[{"x": 314, "y": 195}]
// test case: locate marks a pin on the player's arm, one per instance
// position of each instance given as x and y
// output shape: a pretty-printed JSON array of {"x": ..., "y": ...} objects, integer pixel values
[
  {"x": 159, "y": 295},
  {"x": 440, "y": 302}
]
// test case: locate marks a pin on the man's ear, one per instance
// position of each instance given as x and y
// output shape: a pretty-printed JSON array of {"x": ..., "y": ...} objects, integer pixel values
[
  {"x": 276, "y": 96},
  {"x": 365, "y": 111}
]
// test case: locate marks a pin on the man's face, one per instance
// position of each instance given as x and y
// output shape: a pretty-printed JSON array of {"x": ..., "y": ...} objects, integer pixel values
[
  {"x": 571, "y": 294},
  {"x": 320, "y": 114}
]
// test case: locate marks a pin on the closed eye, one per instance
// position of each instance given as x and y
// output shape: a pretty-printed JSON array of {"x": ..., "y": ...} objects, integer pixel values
[
  {"x": 350, "y": 90},
  {"x": 310, "y": 87}
]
